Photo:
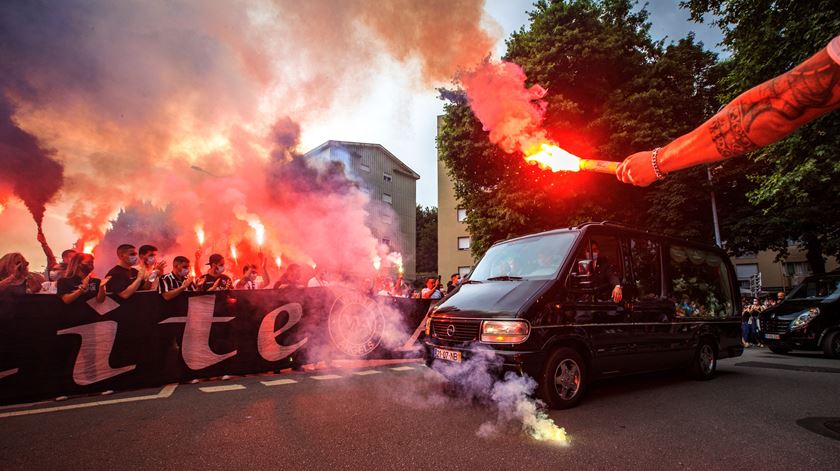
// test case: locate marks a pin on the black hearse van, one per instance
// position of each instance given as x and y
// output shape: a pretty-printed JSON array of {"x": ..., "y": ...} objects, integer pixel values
[
  {"x": 573, "y": 305},
  {"x": 808, "y": 318}
]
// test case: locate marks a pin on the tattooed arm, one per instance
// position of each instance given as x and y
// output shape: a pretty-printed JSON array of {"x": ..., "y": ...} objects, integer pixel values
[{"x": 758, "y": 117}]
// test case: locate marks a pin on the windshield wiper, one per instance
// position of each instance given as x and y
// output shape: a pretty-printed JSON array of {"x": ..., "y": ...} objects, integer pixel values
[
  {"x": 504, "y": 278},
  {"x": 468, "y": 282}
]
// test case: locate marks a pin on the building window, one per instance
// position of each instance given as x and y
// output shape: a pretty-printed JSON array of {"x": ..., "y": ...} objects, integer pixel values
[
  {"x": 464, "y": 271},
  {"x": 365, "y": 167},
  {"x": 386, "y": 242},
  {"x": 387, "y": 177},
  {"x": 463, "y": 243},
  {"x": 462, "y": 215},
  {"x": 746, "y": 270},
  {"x": 797, "y": 269},
  {"x": 386, "y": 218},
  {"x": 387, "y": 198}
]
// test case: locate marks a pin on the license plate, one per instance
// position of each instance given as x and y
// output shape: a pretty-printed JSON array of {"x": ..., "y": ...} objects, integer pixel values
[
  {"x": 772, "y": 336},
  {"x": 447, "y": 355}
]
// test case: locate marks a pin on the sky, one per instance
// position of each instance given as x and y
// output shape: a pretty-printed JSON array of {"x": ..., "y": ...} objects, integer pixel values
[{"x": 394, "y": 113}]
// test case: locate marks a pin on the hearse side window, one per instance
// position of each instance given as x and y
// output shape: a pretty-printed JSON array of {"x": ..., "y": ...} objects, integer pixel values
[
  {"x": 646, "y": 267},
  {"x": 599, "y": 257},
  {"x": 699, "y": 283}
]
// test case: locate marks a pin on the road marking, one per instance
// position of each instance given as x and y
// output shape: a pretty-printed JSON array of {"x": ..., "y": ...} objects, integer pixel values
[
  {"x": 163, "y": 394},
  {"x": 367, "y": 372},
  {"x": 325, "y": 377},
  {"x": 227, "y": 387},
  {"x": 278, "y": 382},
  {"x": 403, "y": 368}
]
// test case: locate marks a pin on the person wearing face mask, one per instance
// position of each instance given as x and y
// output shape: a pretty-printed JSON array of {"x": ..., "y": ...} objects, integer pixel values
[
  {"x": 178, "y": 280},
  {"x": 154, "y": 267},
  {"x": 15, "y": 276},
  {"x": 78, "y": 280},
  {"x": 215, "y": 279},
  {"x": 125, "y": 279}
]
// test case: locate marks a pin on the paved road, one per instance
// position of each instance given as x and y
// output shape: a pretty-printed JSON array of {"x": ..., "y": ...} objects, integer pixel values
[{"x": 399, "y": 419}]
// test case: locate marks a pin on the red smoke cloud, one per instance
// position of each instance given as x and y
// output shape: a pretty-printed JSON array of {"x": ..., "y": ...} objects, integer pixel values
[
  {"x": 510, "y": 112},
  {"x": 195, "y": 107}
]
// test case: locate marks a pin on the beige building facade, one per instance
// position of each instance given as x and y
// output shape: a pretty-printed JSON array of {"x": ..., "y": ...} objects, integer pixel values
[
  {"x": 392, "y": 188},
  {"x": 453, "y": 239},
  {"x": 775, "y": 276}
]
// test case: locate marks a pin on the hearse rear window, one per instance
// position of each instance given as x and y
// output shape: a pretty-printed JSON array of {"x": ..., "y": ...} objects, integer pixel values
[{"x": 699, "y": 283}]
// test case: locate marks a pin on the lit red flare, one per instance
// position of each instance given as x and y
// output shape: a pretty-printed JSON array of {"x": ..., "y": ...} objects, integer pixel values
[
  {"x": 557, "y": 159},
  {"x": 233, "y": 253},
  {"x": 199, "y": 233},
  {"x": 88, "y": 246},
  {"x": 278, "y": 261}
]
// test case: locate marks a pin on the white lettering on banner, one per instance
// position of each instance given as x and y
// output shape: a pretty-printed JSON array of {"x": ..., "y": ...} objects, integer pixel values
[
  {"x": 267, "y": 345},
  {"x": 3, "y": 374},
  {"x": 196, "y": 344},
  {"x": 92, "y": 363}
]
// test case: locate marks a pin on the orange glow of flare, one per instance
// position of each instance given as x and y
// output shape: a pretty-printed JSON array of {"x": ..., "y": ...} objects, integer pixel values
[
  {"x": 233, "y": 253},
  {"x": 259, "y": 231},
  {"x": 377, "y": 262},
  {"x": 278, "y": 261},
  {"x": 199, "y": 233},
  {"x": 556, "y": 159},
  {"x": 89, "y": 246},
  {"x": 400, "y": 268}
]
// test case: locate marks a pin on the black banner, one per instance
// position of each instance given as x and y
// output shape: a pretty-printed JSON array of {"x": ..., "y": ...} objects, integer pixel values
[{"x": 49, "y": 349}]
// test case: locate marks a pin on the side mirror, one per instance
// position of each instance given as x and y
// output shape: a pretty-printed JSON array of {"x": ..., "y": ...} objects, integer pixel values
[{"x": 582, "y": 279}]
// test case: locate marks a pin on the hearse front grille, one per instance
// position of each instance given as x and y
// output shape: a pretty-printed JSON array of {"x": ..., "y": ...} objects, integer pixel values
[
  {"x": 456, "y": 330},
  {"x": 775, "y": 326}
]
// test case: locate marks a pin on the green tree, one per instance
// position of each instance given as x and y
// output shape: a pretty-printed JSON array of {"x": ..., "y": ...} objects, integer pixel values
[
  {"x": 612, "y": 91},
  {"x": 792, "y": 187},
  {"x": 426, "y": 241}
]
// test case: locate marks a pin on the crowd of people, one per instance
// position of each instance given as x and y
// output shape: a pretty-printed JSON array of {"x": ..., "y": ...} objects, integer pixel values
[
  {"x": 750, "y": 322},
  {"x": 144, "y": 269}
]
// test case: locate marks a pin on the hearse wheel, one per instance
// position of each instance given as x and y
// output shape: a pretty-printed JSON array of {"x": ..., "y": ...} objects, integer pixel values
[
  {"x": 831, "y": 344},
  {"x": 705, "y": 361},
  {"x": 564, "y": 378},
  {"x": 780, "y": 350}
]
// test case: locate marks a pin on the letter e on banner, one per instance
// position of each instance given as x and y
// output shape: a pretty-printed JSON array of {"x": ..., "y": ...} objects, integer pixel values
[
  {"x": 92, "y": 363},
  {"x": 196, "y": 345},
  {"x": 267, "y": 344}
]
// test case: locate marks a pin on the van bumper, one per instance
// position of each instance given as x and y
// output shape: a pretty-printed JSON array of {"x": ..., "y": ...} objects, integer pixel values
[{"x": 528, "y": 362}]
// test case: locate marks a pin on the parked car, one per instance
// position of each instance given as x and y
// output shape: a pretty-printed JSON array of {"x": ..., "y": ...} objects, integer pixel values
[
  {"x": 549, "y": 305},
  {"x": 808, "y": 318}
]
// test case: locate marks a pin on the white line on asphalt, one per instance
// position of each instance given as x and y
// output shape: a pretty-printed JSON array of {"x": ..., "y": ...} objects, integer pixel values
[
  {"x": 325, "y": 377},
  {"x": 227, "y": 387},
  {"x": 163, "y": 394},
  {"x": 366, "y": 372},
  {"x": 403, "y": 368},
  {"x": 278, "y": 382}
]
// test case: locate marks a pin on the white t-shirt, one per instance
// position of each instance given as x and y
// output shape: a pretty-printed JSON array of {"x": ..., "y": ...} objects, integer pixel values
[
  {"x": 833, "y": 49},
  {"x": 314, "y": 282}
]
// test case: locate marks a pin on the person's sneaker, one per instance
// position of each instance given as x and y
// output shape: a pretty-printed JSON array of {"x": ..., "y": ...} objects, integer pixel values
[
  {"x": 107, "y": 393},
  {"x": 226, "y": 377},
  {"x": 194, "y": 381},
  {"x": 62, "y": 398}
]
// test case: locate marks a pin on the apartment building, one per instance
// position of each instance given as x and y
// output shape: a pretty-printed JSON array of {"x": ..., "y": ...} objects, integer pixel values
[
  {"x": 453, "y": 239},
  {"x": 392, "y": 187}
]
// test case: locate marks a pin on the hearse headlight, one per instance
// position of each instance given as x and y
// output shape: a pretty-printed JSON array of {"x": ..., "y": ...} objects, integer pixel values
[
  {"x": 804, "y": 318},
  {"x": 504, "y": 331},
  {"x": 428, "y": 326}
]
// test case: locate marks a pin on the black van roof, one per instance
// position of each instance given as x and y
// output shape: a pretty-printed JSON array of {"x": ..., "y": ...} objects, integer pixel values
[{"x": 615, "y": 225}]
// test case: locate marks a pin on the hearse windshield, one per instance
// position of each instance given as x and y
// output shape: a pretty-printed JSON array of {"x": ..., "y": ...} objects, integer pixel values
[
  {"x": 531, "y": 258},
  {"x": 820, "y": 288}
]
